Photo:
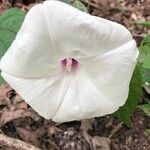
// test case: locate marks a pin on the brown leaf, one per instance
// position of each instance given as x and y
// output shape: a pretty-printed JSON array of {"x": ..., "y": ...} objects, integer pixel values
[
  {"x": 14, "y": 144},
  {"x": 17, "y": 99},
  {"x": 32, "y": 137},
  {"x": 134, "y": 16},
  {"x": 4, "y": 89},
  {"x": 101, "y": 143},
  {"x": 3, "y": 102},
  {"x": 106, "y": 3},
  {"x": 8, "y": 116},
  {"x": 22, "y": 105}
]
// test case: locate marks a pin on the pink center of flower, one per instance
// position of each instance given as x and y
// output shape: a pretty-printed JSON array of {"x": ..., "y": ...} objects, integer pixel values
[{"x": 69, "y": 64}]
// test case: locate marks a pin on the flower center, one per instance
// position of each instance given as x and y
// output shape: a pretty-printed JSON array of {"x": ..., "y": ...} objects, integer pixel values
[{"x": 69, "y": 64}]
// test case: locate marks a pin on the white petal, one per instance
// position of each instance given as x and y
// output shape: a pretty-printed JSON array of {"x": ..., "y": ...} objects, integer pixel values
[
  {"x": 64, "y": 98},
  {"x": 48, "y": 36},
  {"x": 44, "y": 95},
  {"x": 83, "y": 100},
  {"x": 99, "y": 87},
  {"x": 111, "y": 73},
  {"x": 78, "y": 34},
  {"x": 32, "y": 53},
  {"x": 53, "y": 31},
  {"x": 102, "y": 87}
]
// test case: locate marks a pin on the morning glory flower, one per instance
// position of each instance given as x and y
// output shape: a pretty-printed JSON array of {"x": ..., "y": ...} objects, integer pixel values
[{"x": 69, "y": 65}]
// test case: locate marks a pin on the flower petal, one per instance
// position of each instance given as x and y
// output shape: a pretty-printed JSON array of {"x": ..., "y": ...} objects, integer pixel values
[
  {"x": 99, "y": 87},
  {"x": 82, "y": 100},
  {"x": 32, "y": 53},
  {"x": 48, "y": 36},
  {"x": 104, "y": 50},
  {"x": 111, "y": 73},
  {"x": 44, "y": 95},
  {"x": 64, "y": 98},
  {"x": 78, "y": 34}
]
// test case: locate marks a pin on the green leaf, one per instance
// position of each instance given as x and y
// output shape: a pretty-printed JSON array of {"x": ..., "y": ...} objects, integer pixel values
[
  {"x": 145, "y": 108},
  {"x": 124, "y": 113},
  {"x": 143, "y": 23},
  {"x": 2, "y": 81},
  {"x": 146, "y": 40},
  {"x": 10, "y": 22},
  {"x": 66, "y": 1},
  {"x": 79, "y": 5},
  {"x": 146, "y": 61},
  {"x": 145, "y": 76},
  {"x": 144, "y": 57},
  {"x": 76, "y": 3}
]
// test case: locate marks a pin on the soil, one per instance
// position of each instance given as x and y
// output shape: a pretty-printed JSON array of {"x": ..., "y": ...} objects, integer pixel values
[{"x": 19, "y": 121}]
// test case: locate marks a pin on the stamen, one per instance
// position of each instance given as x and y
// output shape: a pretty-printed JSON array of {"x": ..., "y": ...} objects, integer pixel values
[{"x": 69, "y": 64}]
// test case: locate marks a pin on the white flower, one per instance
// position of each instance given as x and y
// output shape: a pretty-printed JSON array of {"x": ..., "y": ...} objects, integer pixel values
[{"x": 69, "y": 65}]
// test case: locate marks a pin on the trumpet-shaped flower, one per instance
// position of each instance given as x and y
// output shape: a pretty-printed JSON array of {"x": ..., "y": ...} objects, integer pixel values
[{"x": 69, "y": 65}]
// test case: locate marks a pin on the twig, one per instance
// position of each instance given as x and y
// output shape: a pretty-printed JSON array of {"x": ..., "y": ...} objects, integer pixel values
[
  {"x": 15, "y": 143},
  {"x": 85, "y": 126},
  {"x": 119, "y": 126},
  {"x": 1, "y": 132}
]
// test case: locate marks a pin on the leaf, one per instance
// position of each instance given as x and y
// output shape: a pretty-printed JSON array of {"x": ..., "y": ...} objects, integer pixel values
[
  {"x": 124, "y": 113},
  {"x": 143, "y": 23},
  {"x": 77, "y": 4},
  {"x": 10, "y": 115},
  {"x": 66, "y": 1},
  {"x": 146, "y": 63},
  {"x": 144, "y": 57},
  {"x": 145, "y": 108},
  {"x": 2, "y": 81},
  {"x": 146, "y": 76},
  {"x": 10, "y": 22},
  {"x": 146, "y": 40}
]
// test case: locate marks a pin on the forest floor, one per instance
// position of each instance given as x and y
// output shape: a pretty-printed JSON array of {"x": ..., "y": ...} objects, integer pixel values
[{"x": 21, "y": 128}]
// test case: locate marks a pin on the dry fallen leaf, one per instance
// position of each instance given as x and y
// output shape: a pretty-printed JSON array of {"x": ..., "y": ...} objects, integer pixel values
[
  {"x": 29, "y": 136},
  {"x": 105, "y": 3},
  {"x": 101, "y": 143},
  {"x": 8, "y": 116}
]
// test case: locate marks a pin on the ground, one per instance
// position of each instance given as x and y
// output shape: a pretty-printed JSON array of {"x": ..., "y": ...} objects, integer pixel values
[{"x": 19, "y": 121}]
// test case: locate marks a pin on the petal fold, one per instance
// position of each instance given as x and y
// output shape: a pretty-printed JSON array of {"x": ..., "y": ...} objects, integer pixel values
[
  {"x": 111, "y": 73},
  {"x": 78, "y": 34},
  {"x": 44, "y": 95},
  {"x": 32, "y": 53}
]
